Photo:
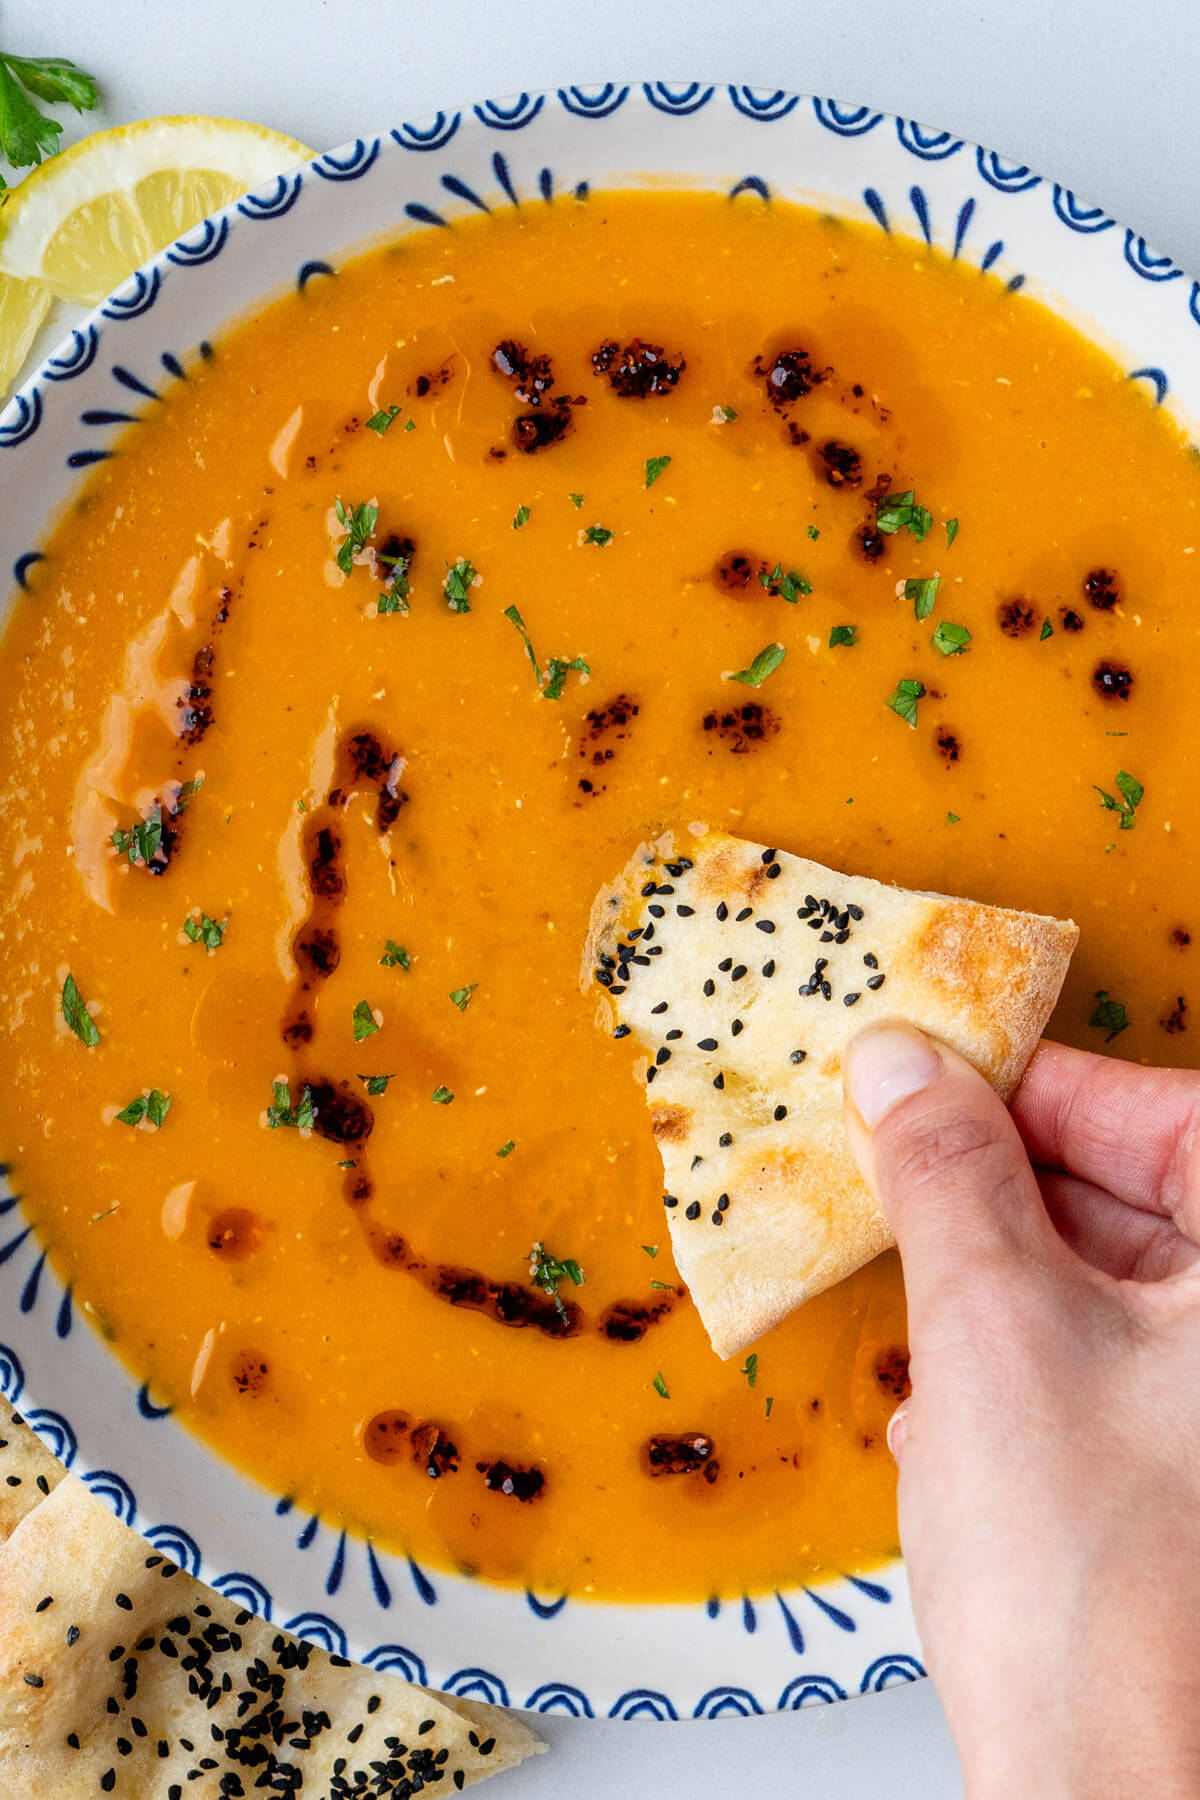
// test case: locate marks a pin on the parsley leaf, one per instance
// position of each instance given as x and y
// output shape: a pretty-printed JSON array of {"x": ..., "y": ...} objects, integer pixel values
[
  {"x": 654, "y": 468},
  {"x": 457, "y": 585},
  {"x": 376, "y": 1084},
  {"x": 951, "y": 531},
  {"x": 441, "y": 1096},
  {"x": 26, "y": 135},
  {"x": 951, "y": 640},
  {"x": 1131, "y": 792},
  {"x": 507, "y": 1149},
  {"x": 380, "y": 421},
  {"x": 462, "y": 996},
  {"x": 395, "y": 956},
  {"x": 953, "y": 819},
  {"x": 659, "y": 1385},
  {"x": 77, "y": 1015},
  {"x": 394, "y": 598},
  {"x": 547, "y": 1271},
  {"x": 576, "y": 500},
  {"x": 598, "y": 534},
  {"x": 770, "y": 1404},
  {"x": 206, "y": 931},
  {"x": 904, "y": 700},
  {"x": 1046, "y": 631},
  {"x": 813, "y": 533},
  {"x": 365, "y": 1024},
  {"x": 843, "y": 634},
  {"x": 750, "y": 1368},
  {"x": 651, "y": 1250},
  {"x": 922, "y": 591},
  {"x": 665, "y": 1286},
  {"x": 553, "y": 679},
  {"x": 143, "y": 842},
  {"x": 764, "y": 664},
  {"x": 521, "y": 517},
  {"x": 282, "y": 1113},
  {"x": 789, "y": 586},
  {"x": 899, "y": 512},
  {"x": 359, "y": 525},
  {"x": 153, "y": 1106},
  {"x": 410, "y": 424},
  {"x": 726, "y": 413},
  {"x": 1109, "y": 1016}
]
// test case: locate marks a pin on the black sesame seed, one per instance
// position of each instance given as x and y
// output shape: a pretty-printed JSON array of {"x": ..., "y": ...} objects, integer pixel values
[
  {"x": 827, "y": 990},
  {"x": 767, "y": 925},
  {"x": 719, "y": 1082},
  {"x": 725, "y": 1139},
  {"x": 709, "y": 1043},
  {"x": 780, "y": 1113},
  {"x": 696, "y": 1161},
  {"x": 657, "y": 912},
  {"x": 43, "y": 1604},
  {"x": 738, "y": 972},
  {"x": 745, "y": 913},
  {"x": 826, "y": 937},
  {"x": 675, "y": 869},
  {"x": 769, "y": 856},
  {"x": 798, "y": 1056},
  {"x": 660, "y": 1008},
  {"x": 804, "y": 912},
  {"x": 651, "y": 1072},
  {"x": 664, "y": 1056},
  {"x": 725, "y": 964},
  {"x": 768, "y": 969},
  {"x": 670, "y": 1200},
  {"x": 710, "y": 988},
  {"x": 841, "y": 937},
  {"x": 665, "y": 888},
  {"x": 604, "y": 978},
  {"x": 722, "y": 912},
  {"x": 656, "y": 951},
  {"x": 651, "y": 887},
  {"x": 718, "y": 1218},
  {"x": 738, "y": 1026},
  {"x": 621, "y": 1031},
  {"x": 850, "y": 999},
  {"x": 672, "y": 1036},
  {"x": 692, "y": 1211},
  {"x": 871, "y": 960},
  {"x": 810, "y": 900},
  {"x": 634, "y": 933},
  {"x": 34, "y": 1681},
  {"x": 816, "y": 922},
  {"x": 643, "y": 962},
  {"x": 73, "y": 1740},
  {"x": 606, "y": 961},
  {"x": 619, "y": 987},
  {"x": 723, "y": 1203},
  {"x": 774, "y": 872},
  {"x": 685, "y": 912},
  {"x": 876, "y": 982},
  {"x": 108, "y": 1781},
  {"x": 374, "y": 1703},
  {"x": 647, "y": 934},
  {"x": 856, "y": 912},
  {"x": 72, "y": 1636}
]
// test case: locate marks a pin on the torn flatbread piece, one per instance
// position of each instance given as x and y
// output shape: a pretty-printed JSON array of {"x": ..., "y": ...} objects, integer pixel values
[
  {"x": 742, "y": 972},
  {"x": 120, "y": 1675}
]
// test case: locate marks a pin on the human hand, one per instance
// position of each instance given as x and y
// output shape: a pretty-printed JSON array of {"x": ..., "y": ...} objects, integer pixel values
[{"x": 1050, "y": 1452}]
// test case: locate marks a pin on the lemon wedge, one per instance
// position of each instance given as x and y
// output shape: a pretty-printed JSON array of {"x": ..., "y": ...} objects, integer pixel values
[
  {"x": 23, "y": 308},
  {"x": 84, "y": 219}
]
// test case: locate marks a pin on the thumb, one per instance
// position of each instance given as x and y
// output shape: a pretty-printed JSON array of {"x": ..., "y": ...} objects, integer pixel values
[{"x": 942, "y": 1156}]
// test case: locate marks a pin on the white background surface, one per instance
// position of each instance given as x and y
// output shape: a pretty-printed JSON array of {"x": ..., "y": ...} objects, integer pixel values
[{"x": 1098, "y": 94}]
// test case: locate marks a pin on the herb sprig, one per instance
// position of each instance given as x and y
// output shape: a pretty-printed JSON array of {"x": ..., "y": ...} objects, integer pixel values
[
  {"x": 904, "y": 700},
  {"x": 26, "y": 134},
  {"x": 281, "y": 1113},
  {"x": 1130, "y": 791},
  {"x": 359, "y": 525},
  {"x": 1110, "y": 1015},
  {"x": 153, "y": 1106},
  {"x": 764, "y": 664},
  {"x": 553, "y": 678},
  {"x": 546, "y": 1271}
]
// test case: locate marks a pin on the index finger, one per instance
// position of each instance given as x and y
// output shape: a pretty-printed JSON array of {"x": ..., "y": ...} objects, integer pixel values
[{"x": 1131, "y": 1130}]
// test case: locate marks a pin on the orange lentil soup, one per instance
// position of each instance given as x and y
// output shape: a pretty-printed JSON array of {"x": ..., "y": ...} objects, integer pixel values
[{"x": 364, "y": 663}]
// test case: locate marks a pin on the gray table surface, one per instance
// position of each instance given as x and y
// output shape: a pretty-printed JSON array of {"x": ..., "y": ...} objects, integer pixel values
[{"x": 1101, "y": 96}]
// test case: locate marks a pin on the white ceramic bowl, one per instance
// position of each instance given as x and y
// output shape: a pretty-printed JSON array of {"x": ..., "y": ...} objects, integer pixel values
[{"x": 547, "y": 1652}]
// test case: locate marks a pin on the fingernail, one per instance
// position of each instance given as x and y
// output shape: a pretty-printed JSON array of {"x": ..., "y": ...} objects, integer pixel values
[
  {"x": 885, "y": 1065},
  {"x": 897, "y": 1431}
]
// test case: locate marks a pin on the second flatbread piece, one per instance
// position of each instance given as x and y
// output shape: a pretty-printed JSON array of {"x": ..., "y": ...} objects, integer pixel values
[{"x": 743, "y": 972}]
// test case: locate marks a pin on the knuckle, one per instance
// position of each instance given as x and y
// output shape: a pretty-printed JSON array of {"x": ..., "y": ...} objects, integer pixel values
[{"x": 936, "y": 1152}]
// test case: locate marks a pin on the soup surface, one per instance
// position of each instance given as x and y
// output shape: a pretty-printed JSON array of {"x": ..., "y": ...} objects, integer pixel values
[{"x": 303, "y": 787}]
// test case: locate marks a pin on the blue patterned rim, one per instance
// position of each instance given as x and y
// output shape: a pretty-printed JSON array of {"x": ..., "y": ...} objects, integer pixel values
[{"x": 782, "y": 1650}]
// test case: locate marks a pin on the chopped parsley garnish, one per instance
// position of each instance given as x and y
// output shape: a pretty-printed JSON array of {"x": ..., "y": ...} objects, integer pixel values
[
  {"x": 359, "y": 525},
  {"x": 547, "y": 1271},
  {"x": 410, "y": 424},
  {"x": 900, "y": 512},
  {"x": 1109, "y": 1016},
  {"x": 951, "y": 640},
  {"x": 770, "y": 1404},
  {"x": 381, "y": 421},
  {"x": 26, "y": 135},
  {"x": 813, "y": 533},
  {"x": 206, "y": 931},
  {"x": 395, "y": 956},
  {"x": 365, "y": 1022},
  {"x": 904, "y": 700},
  {"x": 441, "y": 1096},
  {"x": 1046, "y": 631},
  {"x": 843, "y": 634},
  {"x": 77, "y": 1015},
  {"x": 598, "y": 534},
  {"x": 507, "y": 1149},
  {"x": 576, "y": 501},
  {"x": 1131, "y": 792},
  {"x": 187, "y": 792},
  {"x": 153, "y": 1106},
  {"x": 376, "y": 1084},
  {"x": 553, "y": 678},
  {"x": 750, "y": 1368},
  {"x": 789, "y": 586},
  {"x": 922, "y": 591},
  {"x": 520, "y": 517},
  {"x": 143, "y": 842},
  {"x": 651, "y": 1250},
  {"x": 727, "y": 413},
  {"x": 951, "y": 531},
  {"x": 394, "y": 598},
  {"x": 764, "y": 664},
  {"x": 462, "y": 996},
  {"x": 457, "y": 584},
  {"x": 659, "y": 1385},
  {"x": 953, "y": 819},
  {"x": 282, "y": 1112},
  {"x": 664, "y": 1286},
  {"x": 654, "y": 468}
]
